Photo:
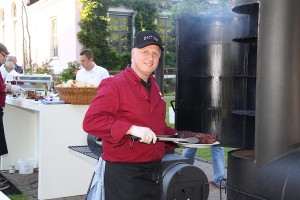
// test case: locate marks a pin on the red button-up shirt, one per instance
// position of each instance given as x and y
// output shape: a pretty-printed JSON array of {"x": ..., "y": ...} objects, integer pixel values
[
  {"x": 122, "y": 101},
  {"x": 2, "y": 92}
]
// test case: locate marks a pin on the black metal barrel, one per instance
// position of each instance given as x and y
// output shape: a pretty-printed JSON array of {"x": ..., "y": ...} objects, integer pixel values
[{"x": 212, "y": 78}]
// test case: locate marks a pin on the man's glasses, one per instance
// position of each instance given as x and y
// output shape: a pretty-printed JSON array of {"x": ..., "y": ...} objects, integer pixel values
[{"x": 3, "y": 54}]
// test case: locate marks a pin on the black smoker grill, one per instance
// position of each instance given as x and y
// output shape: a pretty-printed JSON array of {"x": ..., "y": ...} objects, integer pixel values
[
  {"x": 238, "y": 75},
  {"x": 181, "y": 180},
  {"x": 210, "y": 73},
  {"x": 271, "y": 169},
  {"x": 247, "y": 92}
]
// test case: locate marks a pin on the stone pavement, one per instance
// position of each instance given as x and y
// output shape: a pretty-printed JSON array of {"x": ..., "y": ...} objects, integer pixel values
[
  {"x": 27, "y": 184},
  {"x": 207, "y": 168}
]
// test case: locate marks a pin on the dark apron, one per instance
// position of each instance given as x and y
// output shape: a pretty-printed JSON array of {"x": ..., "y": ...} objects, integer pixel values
[
  {"x": 133, "y": 181},
  {"x": 3, "y": 146}
]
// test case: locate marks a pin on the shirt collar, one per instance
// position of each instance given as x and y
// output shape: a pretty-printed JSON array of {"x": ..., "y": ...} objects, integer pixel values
[{"x": 146, "y": 84}]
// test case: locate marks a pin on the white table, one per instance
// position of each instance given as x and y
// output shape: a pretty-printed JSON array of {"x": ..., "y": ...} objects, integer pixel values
[
  {"x": 3, "y": 196},
  {"x": 44, "y": 132}
]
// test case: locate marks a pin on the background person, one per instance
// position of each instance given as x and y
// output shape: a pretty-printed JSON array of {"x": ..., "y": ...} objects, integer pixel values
[
  {"x": 8, "y": 71},
  {"x": 90, "y": 73},
  {"x": 3, "y": 89},
  {"x": 13, "y": 59},
  {"x": 218, "y": 161},
  {"x": 130, "y": 104}
]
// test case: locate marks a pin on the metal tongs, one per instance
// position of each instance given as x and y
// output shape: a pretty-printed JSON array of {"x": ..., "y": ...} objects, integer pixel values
[{"x": 190, "y": 140}]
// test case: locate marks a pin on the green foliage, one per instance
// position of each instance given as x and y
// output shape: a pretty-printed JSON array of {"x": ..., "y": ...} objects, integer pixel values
[
  {"x": 166, "y": 87},
  {"x": 17, "y": 197},
  {"x": 146, "y": 12},
  {"x": 94, "y": 32},
  {"x": 124, "y": 59},
  {"x": 46, "y": 68},
  {"x": 188, "y": 7},
  {"x": 170, "y": 59},
  {"x": 69, "y": 73},
  {"x": 194, "y": 7},
  {"x": 169, "y": 86},
  {"x": 95, "y": 35},
  {"x": 146, "y": 15}
]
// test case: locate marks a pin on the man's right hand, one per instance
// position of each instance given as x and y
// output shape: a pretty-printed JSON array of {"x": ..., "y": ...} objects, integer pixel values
[
  {"x": 17, "y": 89},
  {"x": 145, "y": 133}
]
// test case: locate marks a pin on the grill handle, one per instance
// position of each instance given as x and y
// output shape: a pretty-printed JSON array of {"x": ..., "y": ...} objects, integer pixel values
[{"x": 172, "y": 102}]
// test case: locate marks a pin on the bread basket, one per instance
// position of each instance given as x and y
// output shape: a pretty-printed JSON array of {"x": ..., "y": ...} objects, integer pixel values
[{"x": 76, "y": 95}]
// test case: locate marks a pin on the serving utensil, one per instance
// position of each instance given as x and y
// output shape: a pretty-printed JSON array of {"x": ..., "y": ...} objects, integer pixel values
[{"x": 190, "y": 140}]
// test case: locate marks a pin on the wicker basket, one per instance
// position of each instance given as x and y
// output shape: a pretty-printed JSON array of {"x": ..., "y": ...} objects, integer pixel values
[{"x": 76, "y": 95}]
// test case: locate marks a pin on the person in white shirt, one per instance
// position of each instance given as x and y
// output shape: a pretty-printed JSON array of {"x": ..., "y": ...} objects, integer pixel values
[
  {"x": 90, "y": 73},
  {"x": 13, "y": 59},
  {"x": 8, "y": 71}
]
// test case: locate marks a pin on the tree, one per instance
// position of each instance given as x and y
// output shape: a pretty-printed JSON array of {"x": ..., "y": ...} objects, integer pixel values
[
  {"x": 94, "y": 33},
  {"x": 26, "y": 49},
  {"x": 200, "y": 6}
]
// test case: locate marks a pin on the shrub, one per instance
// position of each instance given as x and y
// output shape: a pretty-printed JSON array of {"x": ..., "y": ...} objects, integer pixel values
[{"x": 69, "y": 72}]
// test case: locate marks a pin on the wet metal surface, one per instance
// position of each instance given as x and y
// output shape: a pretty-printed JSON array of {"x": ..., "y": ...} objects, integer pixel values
[{"x": 216, "y": 77}]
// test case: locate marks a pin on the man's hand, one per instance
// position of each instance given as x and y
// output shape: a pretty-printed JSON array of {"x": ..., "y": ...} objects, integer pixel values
[
  {"x": 17, "y": 89},
  {"x": 145, "y": 133}
]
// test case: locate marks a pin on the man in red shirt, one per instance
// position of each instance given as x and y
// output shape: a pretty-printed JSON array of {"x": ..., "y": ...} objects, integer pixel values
[
  {"x": 131, "y": 104},
  {"x": 3, "y": 89}
]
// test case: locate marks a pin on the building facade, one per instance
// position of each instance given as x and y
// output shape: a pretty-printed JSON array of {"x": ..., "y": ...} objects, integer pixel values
[
  {"x": 43, "y": 31},
  {"x": 46, "y": 30}
]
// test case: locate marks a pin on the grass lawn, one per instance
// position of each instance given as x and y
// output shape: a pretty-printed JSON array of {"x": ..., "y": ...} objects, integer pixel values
[{"x": 203, "y": 152}]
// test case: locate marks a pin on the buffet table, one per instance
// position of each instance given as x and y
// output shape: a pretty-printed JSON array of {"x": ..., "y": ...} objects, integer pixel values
[{"x": 44, "y": 132}]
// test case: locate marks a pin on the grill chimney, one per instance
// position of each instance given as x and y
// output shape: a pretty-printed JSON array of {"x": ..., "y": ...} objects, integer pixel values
[{"x": 278, "y": 79}]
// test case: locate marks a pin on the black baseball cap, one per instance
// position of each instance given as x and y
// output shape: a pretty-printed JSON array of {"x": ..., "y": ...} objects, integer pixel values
[
  {"x": 148, "y": 37},
  {"x": 3, "y": 49}
]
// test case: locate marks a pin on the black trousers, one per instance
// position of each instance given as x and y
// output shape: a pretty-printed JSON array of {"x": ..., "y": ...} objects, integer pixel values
[
  {"x": 133, "y": 181},
  {"x": 3, "y": 146}
]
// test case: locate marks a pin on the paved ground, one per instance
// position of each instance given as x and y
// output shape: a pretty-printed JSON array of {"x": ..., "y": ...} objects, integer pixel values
[
  {"x": 27, "y": 184},
  {"x": 206, "y": 167}
]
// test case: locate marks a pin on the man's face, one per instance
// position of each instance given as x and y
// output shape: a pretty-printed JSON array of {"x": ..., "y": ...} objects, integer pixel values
[
  {"x": 144, "y": 61},
  {"x": 86, "y": 63},
  {"x": 2, "y": 56}
]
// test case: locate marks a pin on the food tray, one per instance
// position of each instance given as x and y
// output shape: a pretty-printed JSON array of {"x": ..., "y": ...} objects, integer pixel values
[
  {"x": 52, "y": 102},
  {"x": 76, "y": 95},
  {"x": 184, "y": 144}
]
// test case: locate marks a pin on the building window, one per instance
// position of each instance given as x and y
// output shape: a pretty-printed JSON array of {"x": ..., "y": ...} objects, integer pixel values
[
  {"x": 54, "y": 43},
  {"x": 14, "y": 18},
  {"x": 168, "y": 33},
  {"x": 120, "y": 28}
]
